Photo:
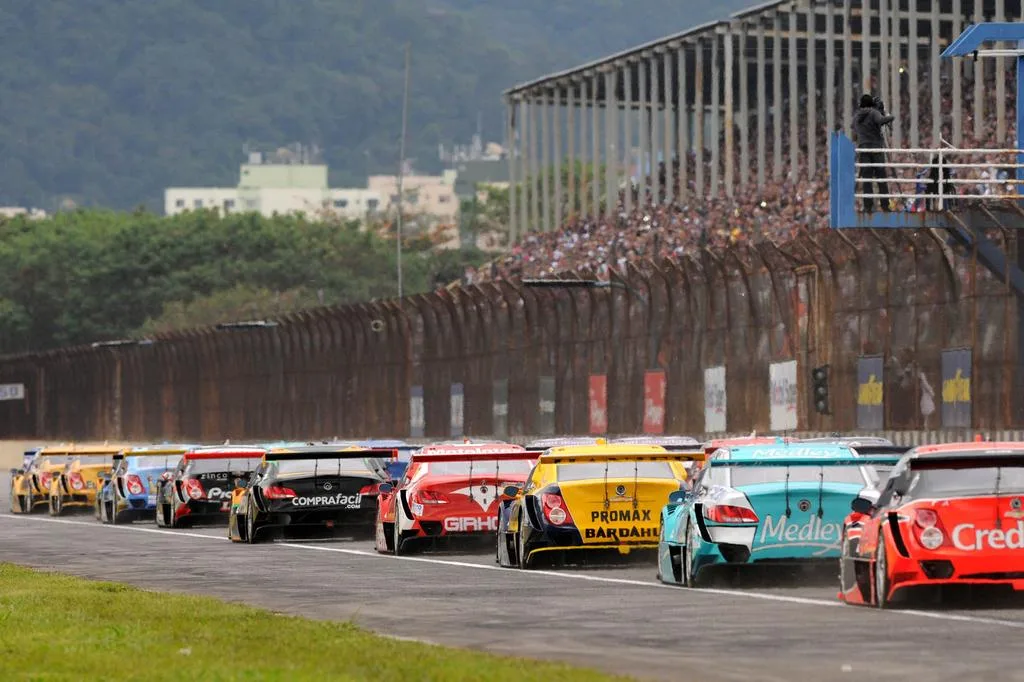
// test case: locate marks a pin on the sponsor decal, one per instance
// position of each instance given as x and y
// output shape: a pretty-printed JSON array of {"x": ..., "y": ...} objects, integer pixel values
[
  {"x": 814, "y": 531},
  {"x": 615, "y": 534},
  {"x": 969, "y": 538},
  {"x": 469, "y": 524},
  {"x": 621, "y": 515},
  {"x": 327, "y": 485},
  {"x": 350, "y": 501},
  {"x": 213, "y": 477},
  {"x": 482, "y": 495},
  {"x": 218, "y": 493}
]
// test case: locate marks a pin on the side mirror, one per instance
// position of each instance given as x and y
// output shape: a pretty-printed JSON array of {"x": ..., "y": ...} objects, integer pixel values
[
  {"x": 510, "y": 491},
  {"x": 678, "y": 497},
  {"x": 385, "y": 488},
  {"x": 862, "y": 505},
  {"x": 17, "y": 472}
]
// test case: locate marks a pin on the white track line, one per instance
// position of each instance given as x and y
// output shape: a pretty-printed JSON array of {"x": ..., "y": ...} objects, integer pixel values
[{"x": 763, "y": 596}]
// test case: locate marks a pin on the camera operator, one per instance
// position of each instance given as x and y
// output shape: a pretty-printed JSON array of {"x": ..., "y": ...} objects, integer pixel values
[{"x": 867, "y": 122}]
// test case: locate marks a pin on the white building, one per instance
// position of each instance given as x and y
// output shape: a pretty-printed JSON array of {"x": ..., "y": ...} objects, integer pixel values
[{"x": 282, "y": 187}]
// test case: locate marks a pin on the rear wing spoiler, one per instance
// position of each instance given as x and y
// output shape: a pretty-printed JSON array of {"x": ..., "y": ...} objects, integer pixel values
[
  {"x": 873, "y": 460},
  {"x": 981, "y": 460},
  {"x": 236, "y": 454},
  {"x": 603, "y": 458},
  {"x": 365, "y": 453},
  {"x": 481, "y": 455},
  {"x": 881, "y": 449}
]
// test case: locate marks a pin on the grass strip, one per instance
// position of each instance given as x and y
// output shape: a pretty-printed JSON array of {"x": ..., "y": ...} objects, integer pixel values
[{"x": 57, "y": 627}]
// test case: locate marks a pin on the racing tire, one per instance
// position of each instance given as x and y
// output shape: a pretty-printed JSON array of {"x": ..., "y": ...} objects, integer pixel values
[
  {"x": 881, "y": 576},
  {"x": 252, "y": 536},
  {"x": 27, "y": 503},
  {"x": 686, "y": 568},
  {"x": 56, "y": 504},
  {"x": 522, "y": 561},
  {"x": 396, "y": 539}
]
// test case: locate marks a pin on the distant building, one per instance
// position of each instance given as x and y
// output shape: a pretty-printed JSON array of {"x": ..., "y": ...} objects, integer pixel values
[
  {"x": 432, "y": 195},
  {"x": 15, "y": 211},
  {"x": 285, "y": 183}
]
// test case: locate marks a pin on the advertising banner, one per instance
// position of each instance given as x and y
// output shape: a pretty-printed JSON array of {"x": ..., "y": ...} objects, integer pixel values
[
  {"x": 956, "y": 388},
  {"x": 654, "y": 402},
  {"x": 714, "y": 400},
  {"x": 782, "y": 395},
  {"x": 597, "y": 402},
  {"x": 870, "y": 394},
  {"x": 417, "y": 418},
  {"x": 499, "y": 407},
  {"x": 457, "y": 410}
]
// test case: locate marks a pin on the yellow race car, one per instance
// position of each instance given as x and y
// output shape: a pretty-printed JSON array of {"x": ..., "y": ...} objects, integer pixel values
[
  {"x": 590, "y": 497},
  {"x": 76, "y": 485},
  {"x": 30, "y": 485}
]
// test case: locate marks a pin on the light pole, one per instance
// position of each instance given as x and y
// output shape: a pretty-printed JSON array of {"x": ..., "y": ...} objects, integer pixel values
[{"x": 401, "y": 168}]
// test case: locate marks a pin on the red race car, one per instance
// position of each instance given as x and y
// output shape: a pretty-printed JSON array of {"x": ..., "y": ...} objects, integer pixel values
[
  {"x": 948, "y": 514},
  {"x": 449, "y": 490}
]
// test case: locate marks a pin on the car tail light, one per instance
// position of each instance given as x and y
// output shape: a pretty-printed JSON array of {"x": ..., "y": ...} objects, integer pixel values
[
  {"x": 928, "y": 529},
  {"x": 194, "y": 489},
  {"x": 728, "y": 513},
  {"x": 76, "y": 481},
  {"x": 555, "y": 510},
  {"x": 369, "y": 489},
  {"x": 134, "y": 484},
  {"x": 44, "y": 479},
  {"x": 276, "y": 492},
  {"x": 428, "y": 497}
]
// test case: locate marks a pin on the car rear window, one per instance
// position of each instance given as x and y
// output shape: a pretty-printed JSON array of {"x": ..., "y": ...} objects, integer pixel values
[
  {"x": 207, "y": 466},
  {"x": 965, "y": 482},
  {"x": 582, "y": 471},
  {"x": 154, "y": 461},
  {"x": 482, "y": 467},
  {"x": 741, "y": 476},
  {"x": 320, "y": 466},
  {"x": 94, "y": 459}
]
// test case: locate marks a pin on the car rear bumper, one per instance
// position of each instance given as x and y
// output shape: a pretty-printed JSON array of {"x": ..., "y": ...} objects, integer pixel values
[{"x": 939, "y": 569}]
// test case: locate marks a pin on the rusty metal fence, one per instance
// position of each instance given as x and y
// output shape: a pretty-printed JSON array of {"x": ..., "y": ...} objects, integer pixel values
[{"x": 915, "y": 336}]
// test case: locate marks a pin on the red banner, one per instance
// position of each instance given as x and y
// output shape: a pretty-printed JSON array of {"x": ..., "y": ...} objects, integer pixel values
[
  {"x": 654, "y": 402},
  {"x": 598, "y": 402}
]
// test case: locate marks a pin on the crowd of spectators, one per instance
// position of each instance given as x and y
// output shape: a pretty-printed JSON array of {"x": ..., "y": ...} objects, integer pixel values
[{"x": 780, "y": 211}]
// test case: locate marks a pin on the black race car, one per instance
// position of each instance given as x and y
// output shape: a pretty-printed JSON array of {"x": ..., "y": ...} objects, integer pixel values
[
  {"x": 316, "y": 489},
  {"x": 199, "y": 489}
]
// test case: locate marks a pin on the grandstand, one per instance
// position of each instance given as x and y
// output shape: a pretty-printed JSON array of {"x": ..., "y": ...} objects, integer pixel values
[{"x": 719, "y": 134}]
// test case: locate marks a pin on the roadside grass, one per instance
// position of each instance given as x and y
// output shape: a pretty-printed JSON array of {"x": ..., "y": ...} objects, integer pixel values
[{"x": 56, "y": 627}]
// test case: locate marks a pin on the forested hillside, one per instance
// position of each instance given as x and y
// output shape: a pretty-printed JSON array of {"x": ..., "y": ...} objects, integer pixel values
[
  {"x": 108, "y": 102},
  {"x": 88, "y": 276}
]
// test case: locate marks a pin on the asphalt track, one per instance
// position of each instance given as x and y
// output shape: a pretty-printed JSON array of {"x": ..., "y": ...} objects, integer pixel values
[{"x": 613, "y": 617}]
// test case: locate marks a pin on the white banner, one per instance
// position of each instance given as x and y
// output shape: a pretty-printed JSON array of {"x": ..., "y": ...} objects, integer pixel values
[
  {"x": 782, "y": 394},
  {"x": 12, "y": 391},
  {"x": 714, "y": 400}
]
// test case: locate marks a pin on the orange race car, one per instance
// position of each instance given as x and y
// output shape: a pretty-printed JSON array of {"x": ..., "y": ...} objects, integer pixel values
[{"x": 948, "y": 514}]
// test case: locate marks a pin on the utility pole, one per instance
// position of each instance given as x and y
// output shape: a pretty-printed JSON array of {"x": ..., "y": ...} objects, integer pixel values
[{"x": 401, "y": 169}]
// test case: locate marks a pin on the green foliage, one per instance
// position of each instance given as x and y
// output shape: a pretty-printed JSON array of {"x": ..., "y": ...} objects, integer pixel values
[
  {"x": 92, "y": 275},
  {"x": 63, "y": 628},
  {"x": 111, "y": 105}
]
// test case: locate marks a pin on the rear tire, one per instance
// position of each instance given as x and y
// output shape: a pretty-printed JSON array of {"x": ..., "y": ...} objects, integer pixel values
[
  {"x": 56, "y": 504},
  {"x": 252, "y": 531},
  {"x": 689, "y": 579},
  {"x": 881, "y": 575},
  {"x": 521, "y": 559},
  {"x": 396, "y": 539}
]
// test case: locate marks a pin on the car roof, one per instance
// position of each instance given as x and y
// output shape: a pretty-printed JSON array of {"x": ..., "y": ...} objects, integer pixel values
[
  {"x": 684, "y": 441},
  {"x": 607, "y": 449},
  {"x": 786, "y": 449},
  {"x": 560, "y": 441},
  {"x": 157, "y": 450},
  {"x": 971, "y": 448},
  {"x": 224, "y": 452},
  {"x": 459, "y": 446}
]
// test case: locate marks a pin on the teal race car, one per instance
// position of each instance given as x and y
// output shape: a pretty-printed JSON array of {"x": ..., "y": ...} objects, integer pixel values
[{"x": 780, "y": 503}]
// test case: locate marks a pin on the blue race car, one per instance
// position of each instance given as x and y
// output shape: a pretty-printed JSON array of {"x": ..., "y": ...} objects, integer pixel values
[
  {"x": 782, "y": 503},
  {"x": 129, "y": 492},
  {"x": 396, "y": 467}
]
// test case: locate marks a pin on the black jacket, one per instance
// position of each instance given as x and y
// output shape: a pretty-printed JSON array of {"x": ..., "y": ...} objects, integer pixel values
[{"x": 867, "y": 123}]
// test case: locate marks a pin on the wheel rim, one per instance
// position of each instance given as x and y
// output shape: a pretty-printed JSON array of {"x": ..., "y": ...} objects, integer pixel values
[
  {"x": 250, "y": 527},
  {"x": 691, "y": 549},
  {"x": 842, "y": 562}
]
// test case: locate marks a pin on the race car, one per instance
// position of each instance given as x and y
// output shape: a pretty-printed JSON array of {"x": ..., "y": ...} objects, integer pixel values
[
  {"x": 76, "y": 484},
  {"x": 318, "y": 488},
  {"x": 590, "y": 497},
  {"x": 199, "y": 489},
  {"x": 30, "y": 485},
  {"x": 129, "y": 492},
  {"x": 27, "y": 457},
  {"x": 948, "y": 514},
  {"x": 558, "y": 442},
  {"x": 781, "y": 503},
  {"x": 865, "y": 445},
  {"x": 396, "y": 467},
  {"x": 448, "y": 490}
]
